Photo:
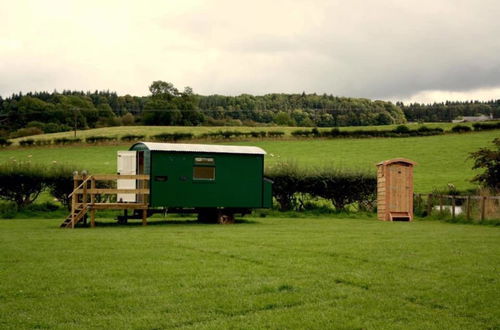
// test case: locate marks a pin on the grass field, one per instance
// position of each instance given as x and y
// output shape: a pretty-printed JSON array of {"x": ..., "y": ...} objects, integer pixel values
[
  {"x": 197, "y": 130},
  {"x": 441, "y": 159},
  {"x": 264, "y": 273}
]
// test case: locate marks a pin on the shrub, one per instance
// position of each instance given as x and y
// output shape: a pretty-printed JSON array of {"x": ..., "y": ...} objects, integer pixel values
[
  {"x": 164, "y": 137},
  {"x": 4, "y": 142},
  {"x": 341, "y": 187},
  {"x": 401, "y": 129},
  {"x": 100, "y": 139},
  {"x": 488, "y": 160},
  {"x": 275, "y": 134},
  {"x": 287, "y": 179},
  {"x": 486, "y": 126},
  {"x": 59, "y": 180},
  {"x": 65, "y": 141},
  {"x": 26, "y": 143},
  {"x": 27, "y": 131},
  {"x": 42, "y": 142},
  {"x": 8, "y": 210},
  {"x": 461, "y": 129},
  {"x": 132, "y": 137},
  {"x": 21, "y": 182}
]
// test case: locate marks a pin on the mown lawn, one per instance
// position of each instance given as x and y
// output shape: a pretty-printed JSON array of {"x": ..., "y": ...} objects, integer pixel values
[
  {"x": 265, "y": 273},
  {"x": 441, "y": 159}
]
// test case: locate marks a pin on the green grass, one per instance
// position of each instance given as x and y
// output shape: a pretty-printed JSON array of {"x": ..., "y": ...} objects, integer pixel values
[
  {"x": 441, "y": 159},
  {"x": 266, "y": 273}
]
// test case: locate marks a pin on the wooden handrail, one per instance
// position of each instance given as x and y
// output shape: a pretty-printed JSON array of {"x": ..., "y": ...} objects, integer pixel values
[
  {"x": 111, "y": 191},
  {"x": 81, "y": 185},
  {"x": 109, "y": 177}
]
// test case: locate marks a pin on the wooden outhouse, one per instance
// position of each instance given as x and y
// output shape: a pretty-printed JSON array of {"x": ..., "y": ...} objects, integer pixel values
[{"x": 395, "y": 190}]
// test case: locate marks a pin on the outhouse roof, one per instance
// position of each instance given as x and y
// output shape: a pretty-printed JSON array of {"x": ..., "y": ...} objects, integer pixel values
[
  {"x": 397, "y": 160},
  {"x": 210, "y": 148}
]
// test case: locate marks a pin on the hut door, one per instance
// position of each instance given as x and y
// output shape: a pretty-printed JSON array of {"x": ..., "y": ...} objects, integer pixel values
[
  {"x": 127, "y": 165},
  {"x": 400, "y": 188}
]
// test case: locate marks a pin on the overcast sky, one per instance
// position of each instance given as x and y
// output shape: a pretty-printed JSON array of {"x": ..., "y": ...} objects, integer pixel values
[{"x": 425, "y": 50}]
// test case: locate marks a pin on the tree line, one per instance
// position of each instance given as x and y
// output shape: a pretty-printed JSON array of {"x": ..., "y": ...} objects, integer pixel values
[{"x": 44, "y": 112}]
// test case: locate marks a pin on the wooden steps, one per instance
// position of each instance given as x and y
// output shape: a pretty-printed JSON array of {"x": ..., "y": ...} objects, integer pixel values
[
  {"x": 83, "y": 197},
  {"x": 400, "y": 216},
  {"x": 74, "y": 217}
]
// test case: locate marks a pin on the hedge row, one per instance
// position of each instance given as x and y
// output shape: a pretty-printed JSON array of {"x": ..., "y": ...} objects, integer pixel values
[
  {"x": 486, "y": 126},
  {"x": 22, "y": 182},
  {"x": 162, "y": 137},
  {"x": 400, "y": 131},
  {"x": 341, "y": 187}
]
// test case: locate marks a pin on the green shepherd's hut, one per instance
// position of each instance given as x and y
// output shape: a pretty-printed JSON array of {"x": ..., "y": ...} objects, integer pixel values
[{"x": 212, "y": 180}]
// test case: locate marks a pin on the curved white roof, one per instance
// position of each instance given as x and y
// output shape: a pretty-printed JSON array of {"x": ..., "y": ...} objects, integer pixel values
[{"x": 212, "y": 148}]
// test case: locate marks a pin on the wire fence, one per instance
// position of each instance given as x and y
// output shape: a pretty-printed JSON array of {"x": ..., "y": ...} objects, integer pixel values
[{"x": 471, "y": 207}]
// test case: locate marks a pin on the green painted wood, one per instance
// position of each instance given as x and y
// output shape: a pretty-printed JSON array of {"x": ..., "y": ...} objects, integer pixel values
[{"x": 238, "y": 183}]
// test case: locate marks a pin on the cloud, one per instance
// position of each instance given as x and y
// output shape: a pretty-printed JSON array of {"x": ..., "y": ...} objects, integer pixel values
[{"x": 383, "y": 49}]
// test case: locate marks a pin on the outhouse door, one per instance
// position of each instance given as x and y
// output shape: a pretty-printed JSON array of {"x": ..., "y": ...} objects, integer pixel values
[{"x": 400, "y": 187}]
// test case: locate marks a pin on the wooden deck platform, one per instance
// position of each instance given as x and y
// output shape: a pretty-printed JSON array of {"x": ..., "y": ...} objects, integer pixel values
[{"x": 83, "y": 197}]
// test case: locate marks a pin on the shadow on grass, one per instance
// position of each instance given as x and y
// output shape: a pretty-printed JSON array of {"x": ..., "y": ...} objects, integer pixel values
[{"x": 187, "y": 222}]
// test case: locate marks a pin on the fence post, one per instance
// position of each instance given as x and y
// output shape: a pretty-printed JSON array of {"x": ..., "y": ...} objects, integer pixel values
[
  {"x": 483, "y": 208},
  {"x": 429, "y": 204},
  {"x": 440, "y": 203},
  {"x": 468, "y": 207},
  {"x": 92, "y": 201},
  {"x": 453, "y": 207}
]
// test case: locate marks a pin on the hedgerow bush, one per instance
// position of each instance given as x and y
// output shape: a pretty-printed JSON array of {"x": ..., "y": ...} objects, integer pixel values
[
  {"x": 342, "y": 187},
  {"x": 100, "y": 139},
  {"x": 287, "y": 179},
  {"x": 65, "y": 141},
  {"x": 4, "y": 142},
  {"x": 400, "y": 131},
  {"x": 132, "y": 137},
  {"x": 27, "y": 143},
  {"x": 166, "y": 137},
  {"x": 486, "y": 126},
  {"x": 21, "y": 182},
  {"x": 461, "y": 129}
]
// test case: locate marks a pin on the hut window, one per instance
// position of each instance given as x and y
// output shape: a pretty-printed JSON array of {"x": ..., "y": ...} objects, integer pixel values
[
  {"x": 204, "y": 173},
  {"x": 204, "y": 161}
]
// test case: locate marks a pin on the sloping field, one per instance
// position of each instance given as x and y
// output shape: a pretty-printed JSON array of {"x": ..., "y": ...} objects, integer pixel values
[
  {"x": 265, "y": 273},
  {"x": 441, "y": 159},
  {"x": 197, "y": 130}
]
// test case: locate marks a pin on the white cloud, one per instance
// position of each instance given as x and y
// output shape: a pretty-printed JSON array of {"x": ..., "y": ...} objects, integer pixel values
[
  {"x": 384, "y": 49},
  {"x": 481, "y": 94}
]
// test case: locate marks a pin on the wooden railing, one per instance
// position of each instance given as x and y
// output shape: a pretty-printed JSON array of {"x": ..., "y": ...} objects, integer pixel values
[
  {"x": 83, "y": 197},
  {"x": 441, "y": 201}
]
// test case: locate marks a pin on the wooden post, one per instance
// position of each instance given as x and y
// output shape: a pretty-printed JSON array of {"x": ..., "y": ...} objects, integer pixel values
[
  {"x": 92, "y": 201},
  {"x": 429, "y": 204},
  {"x": 74, "y": 199},
  {"x": 468, "y": 207},
  {"x": 483, "y": 208},
  {"x": 84, "y": 177},
  {"x": 453, "y": 207},
  {"x": 440, "y": 203},
  {"x": 144, "y": 217},
  {"x": 92, "y": 217}
]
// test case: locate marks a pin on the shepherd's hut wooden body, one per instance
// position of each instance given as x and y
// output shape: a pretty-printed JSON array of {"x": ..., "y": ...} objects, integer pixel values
[{"x": 395, "y": 190}]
